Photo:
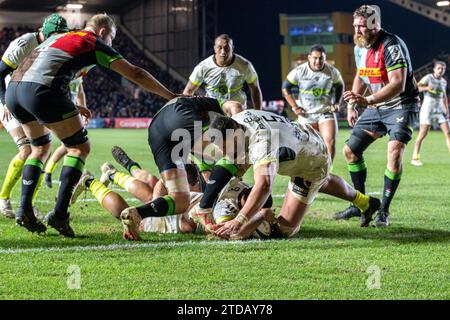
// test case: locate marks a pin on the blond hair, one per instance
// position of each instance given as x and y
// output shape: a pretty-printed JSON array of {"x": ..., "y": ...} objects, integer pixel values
[{"x": 101, "y": 20}]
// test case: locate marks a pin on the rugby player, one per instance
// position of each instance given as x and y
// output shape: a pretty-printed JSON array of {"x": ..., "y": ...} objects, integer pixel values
[
  {"x": 320, "y": 93},
  {"x": 273, "y": 144},
  {"x": 224, "y": 74},
  {"x": 175, "y": 132},
  {"x": 38, "y": 97},
  {"x": 17, "y": 50},
  {"x": 434, "y": 107},
  {"x": 231, "y": 199},
  {"x": 384, "y": 68}
]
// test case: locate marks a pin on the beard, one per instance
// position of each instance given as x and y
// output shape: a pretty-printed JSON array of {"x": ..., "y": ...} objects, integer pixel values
[{"x": 363, "y": 41}]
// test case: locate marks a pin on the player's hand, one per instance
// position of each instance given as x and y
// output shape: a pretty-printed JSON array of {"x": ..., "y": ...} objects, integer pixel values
[
  {"x": 225, "y": 230},
  {"x": 298, "y": 111},
  {"x": 84, "y": 112},
  {"x": 355, "y": 98},
  {"x": 6, "y": 114},
  {"x": 335, "y": 107},
  {"x": 352, "y": 116},
  {"x": 85, "y": 121}
]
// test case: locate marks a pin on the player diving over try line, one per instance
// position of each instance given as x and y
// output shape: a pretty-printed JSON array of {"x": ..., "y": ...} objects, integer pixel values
[{"x": 141, "y": 186}]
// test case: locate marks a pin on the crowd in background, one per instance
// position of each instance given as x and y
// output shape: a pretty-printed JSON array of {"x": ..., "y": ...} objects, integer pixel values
[{"x": 106, "y": 95}]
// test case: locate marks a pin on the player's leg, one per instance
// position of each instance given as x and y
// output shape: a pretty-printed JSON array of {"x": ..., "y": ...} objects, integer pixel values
[
  {"x": 74, "y": 137},
  {"x": 291, "y": 216},
  {"x": 338, "y": 187},
  {"x": 14, "y": 171},
  {"x": 137, "y": 188},
  {"x": 400, "y": 133},
  {"x": 59, "y": 153},
  {"x": 423, "y": 131},
  {"x": 178, "y": 223},
  {"x": 445, "y": 129},
  {"x": 360, "y": 139},
  {"x": 425, "y": 119},
  {"x": 133, "y": 167},
  {"x": 176, "y": 202},
  {"x": 108, "y": 199},
  {"x": 39, "y": 137},
  {"x": 328, "y": 130}
]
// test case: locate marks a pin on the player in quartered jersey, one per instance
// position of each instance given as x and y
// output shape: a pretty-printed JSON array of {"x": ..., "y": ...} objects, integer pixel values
[
  {"x": 273, "y": 145},
  {"x": 38, "y": 96},
  {"x": 17, "y": 50},
  {"x": 224, "y": 75},
  {"x": 434, "y": 107},
  {"x": 384, "y": 69},
  {"x": 320, "y": 88}
]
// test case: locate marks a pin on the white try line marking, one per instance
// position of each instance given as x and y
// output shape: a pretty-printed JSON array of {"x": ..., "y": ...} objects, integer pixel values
[
  {"x": 90, "y": 199},
  {"x": 128, "y": 246}
]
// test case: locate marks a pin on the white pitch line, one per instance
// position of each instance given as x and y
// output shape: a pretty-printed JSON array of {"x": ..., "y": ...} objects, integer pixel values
[{"x": 121, "y": 246}]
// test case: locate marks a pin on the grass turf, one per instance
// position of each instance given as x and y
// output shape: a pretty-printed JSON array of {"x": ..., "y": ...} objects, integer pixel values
[{"x": 327, "y": 260}]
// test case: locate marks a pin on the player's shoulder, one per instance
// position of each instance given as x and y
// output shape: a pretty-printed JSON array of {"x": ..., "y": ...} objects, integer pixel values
[
  {"x": 240, "y": 60},
  {"x": 390, "y": 39},
  {"x": 426, "y": 77},
  {"x": 208, "y": 61},
  {"x": 302, "y": 69},
  {"x": 23, "y": 41}
]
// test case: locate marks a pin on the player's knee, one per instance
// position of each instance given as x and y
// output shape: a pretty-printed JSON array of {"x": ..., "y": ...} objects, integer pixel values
[
  {"x": 356, "y": 145},
  {"x": 80, "y": 150},
  {"x": 24, "y": 151},
  {"x": 403, "y": 136},
  {"x": 181, "y": 202},
  {"x": 349, "y": 155},
  {"x": 78, "y": 139}
]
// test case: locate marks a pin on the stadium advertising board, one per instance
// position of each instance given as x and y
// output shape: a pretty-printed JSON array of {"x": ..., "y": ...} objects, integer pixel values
[{"x": 132, "y": 123}]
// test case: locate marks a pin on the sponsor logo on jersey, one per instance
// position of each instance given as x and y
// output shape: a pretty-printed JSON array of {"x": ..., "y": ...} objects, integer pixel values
[
  {"x": 369, "y": 72},
  {"x": 400, "y": 119},
  {"x": 395, "y": 52}
]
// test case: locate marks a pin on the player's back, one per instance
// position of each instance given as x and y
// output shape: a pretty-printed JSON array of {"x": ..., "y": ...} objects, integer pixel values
[
  {"x": 56, "y": 61},
  {"x": 298, "y": 149}
]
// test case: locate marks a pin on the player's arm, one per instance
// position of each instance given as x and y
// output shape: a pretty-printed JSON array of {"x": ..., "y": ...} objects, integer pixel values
[
  {"x": 190, "y": 88},
  {"x": 81, "y": 97},
  {"x": 81, "y": 104},
  {"x": 287, "y": 93},
  {"x": 338, "y": 90},
  {"x": 445, "y": 104},
  {"x": 264, "y": 176},
  {"x": 423, "y": 84},
  {"x": 423, "y": 87},
  {"x": 195, "y": 81},
  {"x": 256, "y": 94},
  {"x": 4, "y": 71},
  {"x": 396, "y": 85},
  {"x": 141, "y": 77}
]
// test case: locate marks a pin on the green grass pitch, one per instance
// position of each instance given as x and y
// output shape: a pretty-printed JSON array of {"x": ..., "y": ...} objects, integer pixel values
[{"x": 327, "y": 260}]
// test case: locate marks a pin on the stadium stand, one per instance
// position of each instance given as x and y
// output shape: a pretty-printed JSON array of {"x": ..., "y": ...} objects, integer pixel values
[{"x": 106, "y": 93}]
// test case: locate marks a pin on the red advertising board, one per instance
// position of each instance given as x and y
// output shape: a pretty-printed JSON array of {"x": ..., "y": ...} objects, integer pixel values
[{"x": 132, "y": 123}]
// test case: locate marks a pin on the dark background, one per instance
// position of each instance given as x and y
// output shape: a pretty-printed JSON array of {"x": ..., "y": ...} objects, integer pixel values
[{"x": 255, "y": 29}]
